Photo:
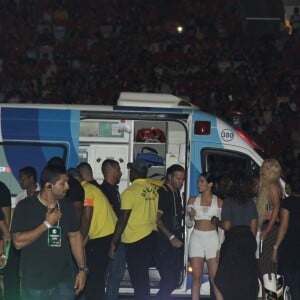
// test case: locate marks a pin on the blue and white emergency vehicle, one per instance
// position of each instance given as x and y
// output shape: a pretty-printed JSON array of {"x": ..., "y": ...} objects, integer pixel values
[{"x": 30, "y": 134}]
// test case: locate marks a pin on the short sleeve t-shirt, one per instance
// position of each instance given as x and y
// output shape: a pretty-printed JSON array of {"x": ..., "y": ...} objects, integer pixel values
[
  {"x": 238, "y": 214},
  {"x": 142, "y": 199},
  {"x": 112, "y": 194}
]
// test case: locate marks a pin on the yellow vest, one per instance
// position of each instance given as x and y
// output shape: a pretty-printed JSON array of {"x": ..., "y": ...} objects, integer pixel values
[
  {"x": 104, "y": 219},
  {"x": 142, "y": 199}
]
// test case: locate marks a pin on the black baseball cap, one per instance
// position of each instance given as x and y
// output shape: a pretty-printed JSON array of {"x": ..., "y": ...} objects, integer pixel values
[{"x": 140, "y": 166}]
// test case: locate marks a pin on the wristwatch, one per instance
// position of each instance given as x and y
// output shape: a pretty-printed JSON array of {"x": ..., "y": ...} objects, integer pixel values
[{"x": 84, "y": 269}]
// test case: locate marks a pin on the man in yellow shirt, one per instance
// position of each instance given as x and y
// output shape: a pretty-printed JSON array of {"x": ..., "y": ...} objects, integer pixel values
[
  {"x": 137, "y": 226},
  {"x": 97, "y": 226}
]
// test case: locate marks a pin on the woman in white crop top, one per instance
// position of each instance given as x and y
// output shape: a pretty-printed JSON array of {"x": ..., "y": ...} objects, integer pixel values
[{"x": 204, "y": 241}]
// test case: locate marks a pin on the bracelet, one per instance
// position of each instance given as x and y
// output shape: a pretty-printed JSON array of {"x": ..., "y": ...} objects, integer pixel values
[
  {"x": 275, "y": 247},
  {"x": 83, "y": 269},
  {"x": 171, "y": 237},
  {"x": 47, "y": 224}
]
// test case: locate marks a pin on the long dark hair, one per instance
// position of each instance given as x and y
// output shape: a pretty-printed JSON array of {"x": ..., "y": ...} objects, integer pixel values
[
  {"x": 241, "y": 187},
  {"x": 208, "y": 176}
]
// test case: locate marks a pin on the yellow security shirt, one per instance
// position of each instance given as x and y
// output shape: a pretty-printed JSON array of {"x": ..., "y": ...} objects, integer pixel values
[
  {"x": 103, "y": 219},
  {"x": 142, "y": 199}
]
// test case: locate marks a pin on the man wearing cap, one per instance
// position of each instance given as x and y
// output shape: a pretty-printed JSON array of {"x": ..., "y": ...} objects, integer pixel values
[{"x": 136, "y": 227}]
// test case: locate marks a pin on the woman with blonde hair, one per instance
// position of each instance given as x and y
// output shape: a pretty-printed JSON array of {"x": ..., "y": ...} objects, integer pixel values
[
  {"x": 204, "y": 242},
  {"x": 268, "y": 206}
]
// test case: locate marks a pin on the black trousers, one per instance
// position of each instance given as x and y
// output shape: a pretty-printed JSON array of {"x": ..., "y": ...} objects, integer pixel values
[
  {"x": 237, "y": 274},
  {"x": 97, "y": 260},
  {"x": 139, "y": 257},
  {"x": 170, "y": 266},
  {"x": 12, "y": 274}
]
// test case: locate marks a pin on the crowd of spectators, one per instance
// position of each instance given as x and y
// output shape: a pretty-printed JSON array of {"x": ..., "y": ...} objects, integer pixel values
[{"x": 88, "y": 51}]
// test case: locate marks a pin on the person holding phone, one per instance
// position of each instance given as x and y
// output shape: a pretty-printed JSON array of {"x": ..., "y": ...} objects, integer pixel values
[{"x": 45, "y": 228}]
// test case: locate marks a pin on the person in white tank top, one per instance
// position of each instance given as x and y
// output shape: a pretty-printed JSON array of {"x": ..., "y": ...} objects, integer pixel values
[{"x": 204, "y": 242}]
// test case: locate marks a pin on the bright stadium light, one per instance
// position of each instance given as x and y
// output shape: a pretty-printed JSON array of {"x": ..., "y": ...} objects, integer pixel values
[{"x": 179, "y": 29}]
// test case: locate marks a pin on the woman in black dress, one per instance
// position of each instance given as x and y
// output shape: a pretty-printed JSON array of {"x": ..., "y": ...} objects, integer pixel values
[{"x": 237, "y": 276}]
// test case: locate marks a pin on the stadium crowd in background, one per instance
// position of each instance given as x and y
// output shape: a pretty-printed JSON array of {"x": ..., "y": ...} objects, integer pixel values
[{"x": 88, "y": 51}]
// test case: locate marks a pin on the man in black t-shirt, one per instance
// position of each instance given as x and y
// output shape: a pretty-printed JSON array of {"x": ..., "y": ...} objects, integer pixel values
[
  {"x": 170, "y": 238},
  {"x": 115, "y": 270},
  {"x": 45, "y": 228}
]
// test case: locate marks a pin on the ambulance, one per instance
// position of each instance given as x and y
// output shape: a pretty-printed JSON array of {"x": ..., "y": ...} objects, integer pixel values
[{"x": 164, "y": 128}]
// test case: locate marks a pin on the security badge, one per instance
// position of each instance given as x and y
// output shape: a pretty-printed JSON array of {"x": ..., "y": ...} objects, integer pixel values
[{"x": 54, "y": 236}]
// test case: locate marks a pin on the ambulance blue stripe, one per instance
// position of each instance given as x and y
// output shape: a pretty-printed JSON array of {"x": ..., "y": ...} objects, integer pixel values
[{"x": 21, "y": 124}]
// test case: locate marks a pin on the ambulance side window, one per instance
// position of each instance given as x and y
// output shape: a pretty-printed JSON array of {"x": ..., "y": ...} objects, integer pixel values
[
  {"x": 220, "y": 162},
  {"x": 15, "y": 155}
]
